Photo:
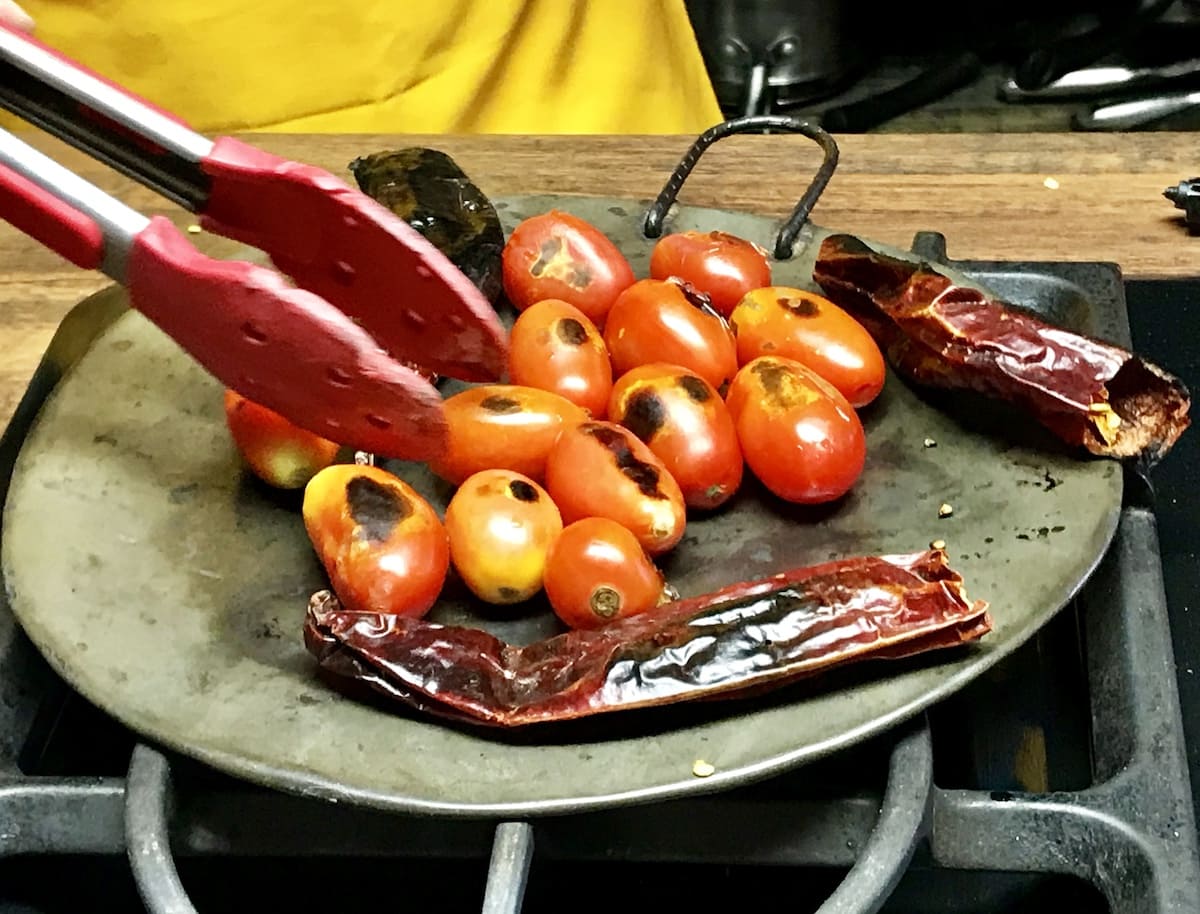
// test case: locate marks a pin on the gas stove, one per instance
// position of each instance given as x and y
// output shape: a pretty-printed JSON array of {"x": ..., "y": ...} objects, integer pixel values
[{"x": 1059, "y": 778}]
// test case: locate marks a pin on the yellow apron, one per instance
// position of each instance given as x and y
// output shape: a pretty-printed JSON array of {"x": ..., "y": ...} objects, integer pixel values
[{"x": 397, "y": 66}]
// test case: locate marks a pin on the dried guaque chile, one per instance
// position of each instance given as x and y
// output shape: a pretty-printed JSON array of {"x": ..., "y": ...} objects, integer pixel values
[
  {"x": 740, "y": 640},
  {"x": 1089, "y": 393}
]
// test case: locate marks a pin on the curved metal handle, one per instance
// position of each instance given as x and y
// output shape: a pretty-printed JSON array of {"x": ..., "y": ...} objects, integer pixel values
[
  {"x": 147, "y": 833},
  {"x": 786, "y": 239},
  {"x": 903, "y": 820}
]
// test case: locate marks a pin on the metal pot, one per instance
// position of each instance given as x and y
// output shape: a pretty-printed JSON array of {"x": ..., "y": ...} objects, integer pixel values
[{"x": 764, "y": 53}]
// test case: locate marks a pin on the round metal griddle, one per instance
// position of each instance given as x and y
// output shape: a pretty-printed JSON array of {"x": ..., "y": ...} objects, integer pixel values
[{"x": 169, "y": 587}]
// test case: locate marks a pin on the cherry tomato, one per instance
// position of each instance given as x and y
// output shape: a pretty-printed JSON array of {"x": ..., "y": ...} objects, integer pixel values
[
  {"x": 683, "y": 420},
  {"x": 722, "y": 266},
  {"x": 804, "y": 326},
  {"x": 597, "y": 572},
  {"x": 799, "y": 436},
  {"x": 599, "y": 469},
  {"x": 557, "y": 255},
  {"x": 276, "y": 451},
  {"x": 502, "y": 427},
  {"x": 660, "y": 320},
  {"x": 501, "y": 525},
  {"x": 382, "y": 545},
  {"x": 553, "y": 346}
]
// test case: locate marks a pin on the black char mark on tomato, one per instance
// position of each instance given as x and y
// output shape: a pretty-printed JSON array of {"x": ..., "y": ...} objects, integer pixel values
[
  {"x": 522, "y": 491},
  {"x": 644, "y": 414},
  {"x": 638, "y": 471},
  {"x": 499, "y": 404},
  {"x": 376, "y": 509},
  {"x": 771, "y": 376},
  {"x": 571, "y": 332},
  {"x": 695, "y": 297},
  {"x": 694, "y": 387},
  {"x": 801, "y": 307},
  {"x": 548, "y": 252}
]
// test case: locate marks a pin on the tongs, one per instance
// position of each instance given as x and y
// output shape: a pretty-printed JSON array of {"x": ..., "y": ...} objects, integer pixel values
[{"x": 338, "y": 344}]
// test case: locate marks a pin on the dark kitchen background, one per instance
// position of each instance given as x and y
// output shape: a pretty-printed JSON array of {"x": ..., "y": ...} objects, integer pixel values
[{"x": 944, "y": 66}]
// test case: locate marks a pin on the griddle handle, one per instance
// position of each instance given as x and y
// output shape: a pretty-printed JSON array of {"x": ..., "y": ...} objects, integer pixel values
[{"x": 656, "y": 216}]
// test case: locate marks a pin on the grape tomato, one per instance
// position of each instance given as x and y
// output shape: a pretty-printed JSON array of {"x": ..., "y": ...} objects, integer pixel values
[{"x": 722, "y": 266}]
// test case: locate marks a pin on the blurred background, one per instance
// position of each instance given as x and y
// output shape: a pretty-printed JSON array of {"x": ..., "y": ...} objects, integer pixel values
[{"x": 948, "y": 66}]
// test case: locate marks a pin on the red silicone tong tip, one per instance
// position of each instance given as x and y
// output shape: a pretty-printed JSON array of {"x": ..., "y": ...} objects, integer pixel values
[
  {"x": 340, "y": 244},
  {"x": 284, "y": 347}
]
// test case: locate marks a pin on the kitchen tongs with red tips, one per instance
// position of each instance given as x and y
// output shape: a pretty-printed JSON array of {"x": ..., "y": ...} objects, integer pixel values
[{"x": 331, "y": 353}]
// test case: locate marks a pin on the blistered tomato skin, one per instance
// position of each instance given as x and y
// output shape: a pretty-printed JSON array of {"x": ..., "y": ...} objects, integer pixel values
[
  {"x": 799, "y": 435},
  {"x": 558, "y": 255},
  {"x": 670, "y": 321},
  {"x": 801, "y": 325},
  {"x": 722, "y": 266},
  {"x": 597, "y": 572},
  {"x": 554, "y": 346},
  {"x": 684, "y": 421},
  {"x": 383, "y": 546},
  {"x": 276, "y": 451},
  {"x": 502, "y": 427},
  {"x": 501, "y": 525},
  {"x": 600, "y": 469}
]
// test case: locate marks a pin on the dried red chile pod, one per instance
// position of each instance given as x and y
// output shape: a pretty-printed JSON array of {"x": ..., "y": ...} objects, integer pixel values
[
  {"x": 822, "y": 616},
  {"x": 1089, "y": 393}
]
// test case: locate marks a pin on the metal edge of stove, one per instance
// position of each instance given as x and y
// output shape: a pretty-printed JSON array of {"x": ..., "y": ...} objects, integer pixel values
[
  {"x": 41, "y": 814},
  {"x": 1143, "y": 856},
  {"x": 1132, "y": 834}
]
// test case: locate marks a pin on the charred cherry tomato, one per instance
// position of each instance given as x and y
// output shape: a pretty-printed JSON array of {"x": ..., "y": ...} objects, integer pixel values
[
  {"x": 501, "y": 524},
  {"x": 553, "y": 346},
  {"x": 557, "y": 255},
  {"x": 279, "y": 453},
  {"x": 597, "y": 572},
  {"x": 599, "y": 469},
  {"x": 382, "y": 545},
  {"x": 657, "y": 320},
  {"x": 722, "y": 266},
  {"x": 685, "y": 423},
  {"x": 502, "y": 427},
  {"x": 799, "y": 436},
  {"x": 804, "y": 326}
]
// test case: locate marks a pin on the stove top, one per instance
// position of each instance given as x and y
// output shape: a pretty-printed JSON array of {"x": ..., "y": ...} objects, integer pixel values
[{"x": 1059, "y": 778}]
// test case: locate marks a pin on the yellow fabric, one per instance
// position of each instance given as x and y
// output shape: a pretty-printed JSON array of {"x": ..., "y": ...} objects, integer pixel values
[{"x": 411, "y": 66}]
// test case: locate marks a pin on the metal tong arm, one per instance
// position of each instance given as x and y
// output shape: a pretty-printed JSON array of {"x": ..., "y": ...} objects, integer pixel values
[
  {"x": 84, "y": 109},
  {"x": 329, "y": 238},
  {"x": 63, "y": 211},
  {"x": 279, "y": 344}
]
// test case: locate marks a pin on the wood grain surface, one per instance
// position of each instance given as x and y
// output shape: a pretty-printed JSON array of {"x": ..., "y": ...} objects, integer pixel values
[{"x": 988, "y": 193}]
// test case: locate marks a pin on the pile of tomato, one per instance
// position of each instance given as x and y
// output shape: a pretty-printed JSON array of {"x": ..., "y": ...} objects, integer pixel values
[{"x": 630, "y": 405}]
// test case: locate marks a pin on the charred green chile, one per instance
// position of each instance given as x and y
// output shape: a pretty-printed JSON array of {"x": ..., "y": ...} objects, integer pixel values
[{"x": 427, "y": 189}]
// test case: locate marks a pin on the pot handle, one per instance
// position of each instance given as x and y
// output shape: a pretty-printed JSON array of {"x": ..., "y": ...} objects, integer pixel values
[{"x": 784, "y": 241}]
